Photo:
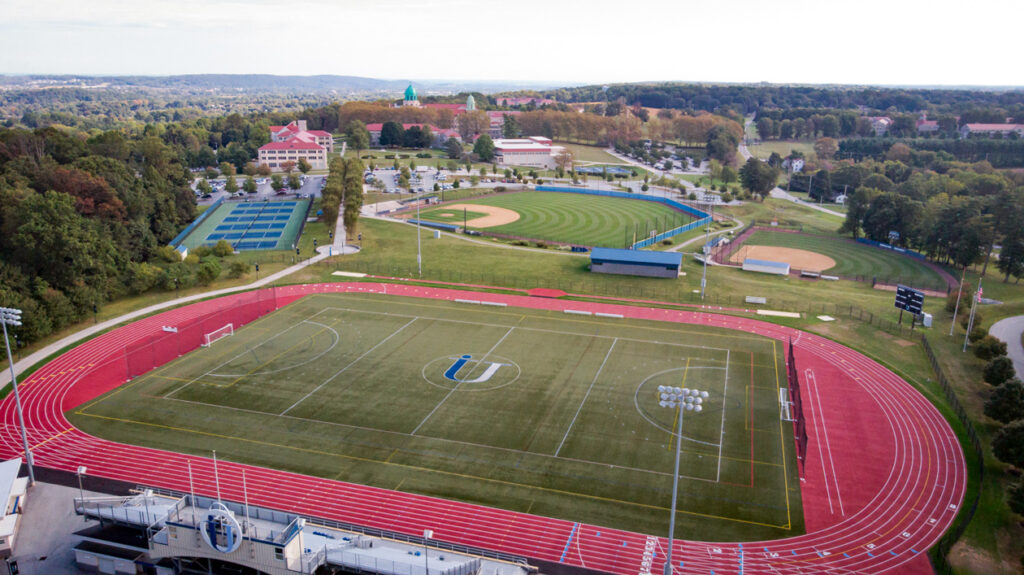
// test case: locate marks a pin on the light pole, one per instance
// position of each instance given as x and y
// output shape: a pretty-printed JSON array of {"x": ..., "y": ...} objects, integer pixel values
[
  {"x": 685, "y": 400},
  {"x": 707, "y": 233},
  {"x": 12, "y": 317},
  {"x": 81, "y": 492},
  {"x": 427, "y": 534},
  {"x": 419, "y": 251}
]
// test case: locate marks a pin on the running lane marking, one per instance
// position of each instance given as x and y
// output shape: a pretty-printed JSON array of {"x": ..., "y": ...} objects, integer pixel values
[
  {"x": 580, "y": 408},
  {"x": 813, "y": 382}
]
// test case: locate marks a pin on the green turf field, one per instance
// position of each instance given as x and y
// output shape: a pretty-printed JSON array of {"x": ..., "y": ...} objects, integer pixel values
[
  {"x": 552, "y": 414},
  {"x": 856, "y": 259},
  {"x": 575, "y": 218}
]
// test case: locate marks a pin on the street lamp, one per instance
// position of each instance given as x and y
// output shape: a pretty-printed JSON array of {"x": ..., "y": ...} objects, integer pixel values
[
  {"x": 685, "y": 400},
  {"x": 427, "y": 534},
  {"x": 12, "y": 317}
]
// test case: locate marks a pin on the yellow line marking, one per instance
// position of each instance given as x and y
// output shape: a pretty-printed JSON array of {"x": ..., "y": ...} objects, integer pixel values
[
  {"x": 45, "y": 441},
  {"x": 782, "y": 442},
  {"x": 429, "y": 470}
]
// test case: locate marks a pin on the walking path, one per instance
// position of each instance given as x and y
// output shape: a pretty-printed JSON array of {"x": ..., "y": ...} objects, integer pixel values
[{"x": 1010, "y": 331}]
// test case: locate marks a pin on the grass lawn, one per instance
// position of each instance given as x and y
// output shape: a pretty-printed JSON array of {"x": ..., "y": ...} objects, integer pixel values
[
  {"x": 595, "y": 154},
  {"x": 854, "y": 259},
  {"x": 547, "y": 413},
  {"x": 577, "y": 218},
  {"x": 783, "y": 148},
  {"x": 788, "y": 214}
]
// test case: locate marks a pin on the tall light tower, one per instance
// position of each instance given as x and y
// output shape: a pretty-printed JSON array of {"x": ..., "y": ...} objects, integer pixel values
[
  {"x": 683, "y": 399},
  {"x": 12, "y": 317}
]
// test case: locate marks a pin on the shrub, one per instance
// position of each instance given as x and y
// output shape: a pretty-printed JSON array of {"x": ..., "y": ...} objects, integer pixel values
[
  {"x": 976, "y": 334},
  {"x": 667, "y": 242},
  {"x": 1006, "y": 402},
  {"x": 191, "y": 259},
  {"x": 727, "y": 197},
  {"x": 1015, "y": 498},
  {"x": 208, "y": 271},
  {"x": 223, "y": 249},
  {"x": 540, "y": 182},
  {"x": 237, "y": 269},
  {"x": 422, "y": 155},
  {"x": 389, "y": 156},
  {"x": 965, "y": 297},
  {"x": 989, "y": 348},
  {"x": 168, "y": 254},
  {"x": 403, "y": 156},
  {"x": 520, "y": 243},
  {"x": 499, "y": 189},
  {"x": 999, "y": 370},
  {"x": 202, "y": 251},
  {"x": 1008, "y": 444},
  {"x": 966, "y": 317},
  {"x": 542, "y": 245},
  {"x": 645, "y": 187}
]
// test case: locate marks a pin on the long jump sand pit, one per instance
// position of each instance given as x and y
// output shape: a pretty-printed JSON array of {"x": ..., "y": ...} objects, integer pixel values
[
  {"x": 495, "y": 216},
  {"x": 798, "y": 259}
]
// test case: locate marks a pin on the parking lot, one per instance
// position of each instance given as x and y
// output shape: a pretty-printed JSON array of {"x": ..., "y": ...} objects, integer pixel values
[{"x": 311, "y": 187}]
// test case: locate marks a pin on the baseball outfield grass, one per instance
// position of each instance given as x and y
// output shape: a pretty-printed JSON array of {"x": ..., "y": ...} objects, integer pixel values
[
  {"x": 576, "y": 218},
  {"x": 854, "y": 259},
  {"x": 526, "y": 410}
]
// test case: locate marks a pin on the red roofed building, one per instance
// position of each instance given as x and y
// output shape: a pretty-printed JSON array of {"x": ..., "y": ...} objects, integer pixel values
[
  {"x": 991, "y": 130},
  {"x": 293, "y": 141}
]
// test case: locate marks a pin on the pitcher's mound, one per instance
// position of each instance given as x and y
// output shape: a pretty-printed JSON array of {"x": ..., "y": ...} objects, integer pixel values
[{"x": 798, "y": 259}]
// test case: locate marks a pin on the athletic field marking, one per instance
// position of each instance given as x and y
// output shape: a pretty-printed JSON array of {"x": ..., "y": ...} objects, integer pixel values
[
  {"x": 521, "y": 328},
  {"x": 782, "y": 442},
  {"x": 456, "y": 387},
  {"x": 361, "y": 296},
  {"x": 585, "y": 396},
  {"x": 337, "y": 338},
  {"x": 437, "y": 471},
  {"x": 721, "y": 431},
  {"x": 296, "y": 324},
  {"x": 809, "y": 377},
  {"x": 342, "y": 370}
]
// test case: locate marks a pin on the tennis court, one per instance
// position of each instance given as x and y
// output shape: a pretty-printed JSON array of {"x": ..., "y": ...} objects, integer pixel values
[{"x": 252, "y": 226}]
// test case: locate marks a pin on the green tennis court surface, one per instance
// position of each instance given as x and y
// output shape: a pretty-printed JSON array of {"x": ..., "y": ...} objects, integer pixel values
[{"x": 522, "y": 409}]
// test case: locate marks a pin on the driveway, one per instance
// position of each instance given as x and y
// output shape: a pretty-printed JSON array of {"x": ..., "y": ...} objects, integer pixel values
[{"x": 1010, "y": 330}]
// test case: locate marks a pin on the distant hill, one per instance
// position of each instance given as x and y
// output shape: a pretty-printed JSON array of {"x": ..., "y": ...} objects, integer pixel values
[{"x": 265, "y": 83}]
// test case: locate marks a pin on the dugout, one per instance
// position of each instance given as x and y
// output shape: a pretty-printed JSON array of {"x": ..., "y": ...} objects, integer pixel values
[
  {"x": 766, "y": 267},
  {"x": 636, "y": 262}
]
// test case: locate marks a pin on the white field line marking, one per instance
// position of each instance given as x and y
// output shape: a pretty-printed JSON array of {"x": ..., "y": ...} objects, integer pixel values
[
  {"x": 454, "y": 389},
  {"x": 585, "y": 396},
  {"x": 542, "y": 330},
  {"x": 337, "y": 338},
  {"x": 431, "y": 438},
  {"x": 721, "y": 431},
  {"x": 248, "y": 350},
  {"x": 809, "y": 374},
  {"x": 342, "y": 370}
]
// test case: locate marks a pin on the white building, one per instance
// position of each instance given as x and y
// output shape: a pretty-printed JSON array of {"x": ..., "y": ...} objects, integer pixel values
[
  {"x": 533, "y": 152},
  {"x": 991, "y": 129},
  {"x": 293, "y": 141},
  {"x": 12, "y": 498}
]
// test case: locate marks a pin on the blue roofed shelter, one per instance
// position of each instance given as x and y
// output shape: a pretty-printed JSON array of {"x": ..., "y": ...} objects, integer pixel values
[{"x": 636, "y": 262}]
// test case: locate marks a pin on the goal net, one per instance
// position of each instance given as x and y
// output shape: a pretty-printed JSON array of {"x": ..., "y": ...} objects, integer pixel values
[{"x": 209, "y": 338}]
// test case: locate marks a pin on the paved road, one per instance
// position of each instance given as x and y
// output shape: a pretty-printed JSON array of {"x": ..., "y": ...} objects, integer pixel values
[{"x": 1010, "y": 330}]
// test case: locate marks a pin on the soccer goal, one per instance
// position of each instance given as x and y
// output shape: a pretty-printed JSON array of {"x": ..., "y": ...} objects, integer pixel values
[{"x": 209, "y": 338}]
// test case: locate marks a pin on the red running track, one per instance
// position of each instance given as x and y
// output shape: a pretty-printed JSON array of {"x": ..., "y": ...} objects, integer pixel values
[{"x": 884, "y": 478}]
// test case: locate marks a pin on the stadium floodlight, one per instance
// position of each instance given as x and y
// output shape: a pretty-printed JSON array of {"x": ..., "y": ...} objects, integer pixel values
[
  {"x": 685, "y": 399},
  {"x": 427, "y": 535},
  {"x": 81, "y": 492},
  {"x": 12, "y": 317}
]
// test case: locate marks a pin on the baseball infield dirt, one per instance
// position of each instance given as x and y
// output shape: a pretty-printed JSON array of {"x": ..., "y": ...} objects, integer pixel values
[
  {"x": 798, "y": 259},
  {"x": 495, "y": 216}
]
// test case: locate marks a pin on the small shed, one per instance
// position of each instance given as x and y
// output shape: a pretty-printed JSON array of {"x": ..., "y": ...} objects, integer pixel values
[
  {"x": 766, "y": 267},
  {"x": 636, "y": 262}
]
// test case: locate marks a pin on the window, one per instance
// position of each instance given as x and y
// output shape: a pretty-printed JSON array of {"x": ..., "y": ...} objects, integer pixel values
[{"x": 279, "y": 553}]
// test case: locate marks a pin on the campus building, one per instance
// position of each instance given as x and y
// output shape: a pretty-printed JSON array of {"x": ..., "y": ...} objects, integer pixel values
[
  {"x": 534, "y": 152},
  {"x": 496, "y": 118},
  {"x": 989, "y": 130},
  {"x": 293, "y": 141}
]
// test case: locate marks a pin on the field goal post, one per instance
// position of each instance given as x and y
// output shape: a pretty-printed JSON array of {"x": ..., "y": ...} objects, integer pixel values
[
  {"x": 795, "y": 409},
  {"x": 221, "y": 332}
]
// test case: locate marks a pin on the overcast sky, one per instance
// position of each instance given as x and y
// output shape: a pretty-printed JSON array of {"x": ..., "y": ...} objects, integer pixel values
[{"x": 552, "y": 41}]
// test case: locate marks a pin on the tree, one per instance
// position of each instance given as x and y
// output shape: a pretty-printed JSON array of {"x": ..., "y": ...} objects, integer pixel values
[
  {"x": 294, "y": 182},
  {"x": 484, "y": 148},
  {"x": 391, "y": 134},
  {"x": 288, "y": 166},
  {"x": 1008, "y": 444},
  {"x": 230, "y": 185},
  {"x": 1015, "y": 497},
  {"x": 250, "y": 169},
  {"x": 1011, "y": 256},
  {"x": 358, "y": 136},
  {"x": 237, "y": 269},
  {"x": 263, "y": 170},
  {"x": 304, "y": 166},
  {"x": 758, "y": 177},
  {"x": 825, "y": 148},
  {"x": 223, "y": 249},
  {"x": 510, "y": 128},
  {"x": 226, "y": 169},
  {"x": 728, "y": 174},
  {"x": 564, "y": 159},
  {"x": 203, "y": 187},
  {"x": 249, "y": 186},
  {"x": 989, "y": 347},
  {"x": 208, "y": 271},
  {"x": 277, "y": 182},
  {"x": 453, "y": 148},
  {"x": 857, "y": 205},
  {"x": 999, "y": 370},
  {"x": 1006, "y": 403}
]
